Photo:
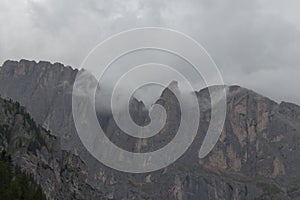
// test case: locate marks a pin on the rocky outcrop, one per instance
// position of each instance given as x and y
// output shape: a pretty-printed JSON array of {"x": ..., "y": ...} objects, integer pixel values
[
  {"x": 45, "y": 90},
  {"x": 256, "y": 157},
  {"x": 34, "y": 150}
]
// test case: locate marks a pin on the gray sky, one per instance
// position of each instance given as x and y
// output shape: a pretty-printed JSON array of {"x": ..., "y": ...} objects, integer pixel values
[{"x": 255, "y": 43}]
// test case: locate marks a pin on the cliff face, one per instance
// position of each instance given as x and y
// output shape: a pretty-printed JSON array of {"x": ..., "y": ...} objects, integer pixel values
[
  {"x": 45, "y": 90},
  {"x": 259, "y": 144},
  {"x": 61, "y": 174},
  {"x": 257, "y": 155}
]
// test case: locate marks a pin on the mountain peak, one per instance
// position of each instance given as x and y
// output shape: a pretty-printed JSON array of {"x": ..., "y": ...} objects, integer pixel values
[{"x": 173, "y": 85}]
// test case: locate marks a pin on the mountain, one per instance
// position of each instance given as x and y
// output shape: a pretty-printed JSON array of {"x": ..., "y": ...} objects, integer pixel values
[
  {"x": 256, "y": 157},
  {"x": 44, "y": 89},
  {"x": 37, "y": 153}
]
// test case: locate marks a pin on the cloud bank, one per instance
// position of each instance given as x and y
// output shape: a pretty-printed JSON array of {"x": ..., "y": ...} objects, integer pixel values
[{"x": 255, "y": 44}]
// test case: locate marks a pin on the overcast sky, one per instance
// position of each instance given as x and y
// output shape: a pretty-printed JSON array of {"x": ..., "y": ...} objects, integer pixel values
[{"x": 255, "y": 43}]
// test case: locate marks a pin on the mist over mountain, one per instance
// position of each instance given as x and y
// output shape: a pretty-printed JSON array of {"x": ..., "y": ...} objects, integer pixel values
[{"x": 256, "y": 157}]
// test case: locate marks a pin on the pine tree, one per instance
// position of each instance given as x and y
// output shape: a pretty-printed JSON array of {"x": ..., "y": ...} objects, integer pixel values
[{"x": 15, "y": 184}]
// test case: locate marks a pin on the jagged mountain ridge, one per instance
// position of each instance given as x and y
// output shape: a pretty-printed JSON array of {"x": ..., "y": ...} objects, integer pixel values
[{"x": 256, "y": 156}]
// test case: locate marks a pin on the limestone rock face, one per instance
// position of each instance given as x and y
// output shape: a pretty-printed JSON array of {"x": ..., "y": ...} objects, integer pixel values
[
  {"x": 256, "y": 157},
  {"x": 45, "y": 90},
  {"x": 61, "y": 174}
]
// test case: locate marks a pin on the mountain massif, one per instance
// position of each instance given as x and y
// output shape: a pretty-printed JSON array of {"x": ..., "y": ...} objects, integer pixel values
[{"x": 256, "y": 157}]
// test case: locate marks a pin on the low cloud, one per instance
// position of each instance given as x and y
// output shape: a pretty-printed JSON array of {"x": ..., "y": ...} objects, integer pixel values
[{"x": 254, "y": 43}]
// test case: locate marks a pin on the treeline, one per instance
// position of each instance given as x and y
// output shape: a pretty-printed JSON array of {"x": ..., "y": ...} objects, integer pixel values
[
  {"x": 14, "y": 108},
  {"x": 15, "y": 184}
]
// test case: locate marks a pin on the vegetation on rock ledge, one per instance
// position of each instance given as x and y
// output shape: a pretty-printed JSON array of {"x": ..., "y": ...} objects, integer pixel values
[{"x": 15, "y": 184}]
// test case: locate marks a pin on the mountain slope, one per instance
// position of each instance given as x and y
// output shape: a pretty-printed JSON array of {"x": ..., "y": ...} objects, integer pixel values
[
  {"x": 44, "y": 89},
  {"x": 15, "y": 184},
  {"x": 256, "y": 157},
  {"x": 35, "y": 151}
]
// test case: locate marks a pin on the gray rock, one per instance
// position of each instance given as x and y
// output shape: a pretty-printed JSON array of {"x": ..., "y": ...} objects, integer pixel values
[
  {"x": 34, "y": 150},
  {"x": 256, "y": 157}
]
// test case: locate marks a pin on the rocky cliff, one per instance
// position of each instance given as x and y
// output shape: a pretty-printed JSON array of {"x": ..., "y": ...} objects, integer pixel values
[
  {"x": 45, "y": 90},
  {"x": 256, "y": 157},
  {"x": 36, "y": 152}
]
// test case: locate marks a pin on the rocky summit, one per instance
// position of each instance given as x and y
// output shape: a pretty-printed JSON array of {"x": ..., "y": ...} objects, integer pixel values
[{"x": 256, "y": 157}]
